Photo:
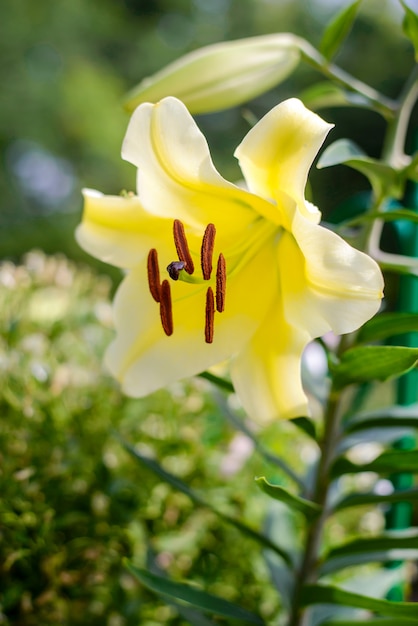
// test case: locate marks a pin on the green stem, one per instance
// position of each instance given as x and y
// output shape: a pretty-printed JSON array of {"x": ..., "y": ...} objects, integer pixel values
[
  {"x": 386, "y": 106},
  {"x": 394, "y": 147},
  {"x": 393, "y": 154},
  {"x": 308, "y": 571}
]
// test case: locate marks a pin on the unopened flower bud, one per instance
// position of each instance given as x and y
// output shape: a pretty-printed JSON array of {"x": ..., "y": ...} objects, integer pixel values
[{"x": 222, "y": 75}]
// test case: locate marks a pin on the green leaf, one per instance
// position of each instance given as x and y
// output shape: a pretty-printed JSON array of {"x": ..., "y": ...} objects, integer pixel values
[
  {"x": 339, "y": 152},
  {"x": 382, "y": 177},
  {"x": 402, "y": 545},
  {"x": 386, "y": 216},
  {"x": 178, "y": 484},
  {"x": 327, "y": 94},
  {"x": 191, "y": 615},
  {"x": 306, "y": 425},
  {"x": 390, "y": 621},
  {"x": 390, "y": 417},
  {"x": 308, "y": 508},
  {"x": 322, "y": 594},
  {"x": 196, "y": 597},
  {"x": 367, "y": 363},
  {"x": 281, "y": 527},
  {"x": 389, "y": 462},
  {"x": 239, "y": 424},
  {"x": 388, "y": 325},
  {"x": 218, "y": 381},
  {"x": 338, "y": 29},
  {"x": 410, "y": 26},
  {"x": 361, "y": 499}
]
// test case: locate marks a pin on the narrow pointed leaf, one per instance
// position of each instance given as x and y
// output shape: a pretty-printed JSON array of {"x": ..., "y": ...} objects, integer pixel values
[
  {"x": 390, "y": 462},
  {"x": 196, "y": 597},
  {"x": 389, "y": 621},
  {"x": 240, "y": 425},
  {"x": 327, "y": 94},
  {"x": 340, "y": 152},
  {"x": 322, "y": 594},
  {"x": 361, "y": 499},
  {"x": 218, "y": 381},
  {"x": 338, "y": 29},
  {"x": 193, "y": 616},
  {"x": 309, "y": 509},
  {"x": 410, "y": 26},
  {"x": 390, "y": 417},
  {"x": 386, "y": 216},
  {"x": 178, "y": 484},
  {"x": 306, "y": 425},
  {"x": 368, "y": 363},
  {"x": 390, "y": 540},
  {"x": 388, "y": 547},
  {"x": 380, "y": 175},
  {"x": 388, "y": 325}
]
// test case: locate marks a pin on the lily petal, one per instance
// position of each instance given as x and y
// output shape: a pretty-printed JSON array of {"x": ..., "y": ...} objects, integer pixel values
[
  {"x": 266, "y": 374},
  {"x": 176, "y": 176},
  {"x": 327, "y": 284},
  {"x": 277, "y": 153},
  {"x": 144, "y": 359},
  {"x": 118, "y": 230}
]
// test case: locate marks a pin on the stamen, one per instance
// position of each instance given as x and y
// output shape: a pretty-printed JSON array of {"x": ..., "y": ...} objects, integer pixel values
[
  {"x": 166, "y": 309},
  {"x": 174, "y": 269},
  {"x": 154, "y": 275},
  {"x": 220, "y": 283},
  {"x": 210, "y": 316},
  {"x": 182, "y": 246},
  {"x": 207, "y": 251}
]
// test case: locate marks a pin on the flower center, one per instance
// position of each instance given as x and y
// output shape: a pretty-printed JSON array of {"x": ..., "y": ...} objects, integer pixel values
[{"x": 161, "y": 291}]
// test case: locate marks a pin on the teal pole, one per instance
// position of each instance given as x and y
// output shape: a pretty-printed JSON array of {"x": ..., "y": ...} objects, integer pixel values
[{"x": 399, "y": 515}]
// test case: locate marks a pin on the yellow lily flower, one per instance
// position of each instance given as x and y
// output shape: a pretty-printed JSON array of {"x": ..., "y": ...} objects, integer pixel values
[
  {"x": 251, "y": 275},
  {"x": 222, "y": 75}
]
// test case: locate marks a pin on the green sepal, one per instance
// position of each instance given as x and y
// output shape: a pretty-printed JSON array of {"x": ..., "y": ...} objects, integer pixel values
[
  {"x": 368, "y": 363},
  {"x": 338, "y": 29},
  {"x": 306, "y": 507},
  {"x": 196, "y": 597},
  {"x": 323, "y": 594}
]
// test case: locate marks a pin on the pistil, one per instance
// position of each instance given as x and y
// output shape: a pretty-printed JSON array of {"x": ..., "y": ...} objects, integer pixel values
[{"x": 174, "y": 268}]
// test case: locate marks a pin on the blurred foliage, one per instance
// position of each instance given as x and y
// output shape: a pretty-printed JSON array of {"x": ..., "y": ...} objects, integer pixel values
[
  {"x": 66, "y": 66},
  {"x": 74, "y": 503}
]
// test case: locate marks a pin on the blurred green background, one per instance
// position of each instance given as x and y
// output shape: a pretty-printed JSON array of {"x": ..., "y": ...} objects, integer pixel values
[{"x": 73, "y": 503}]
